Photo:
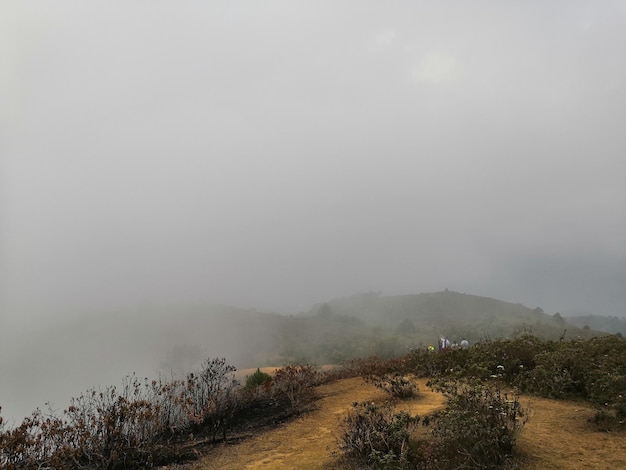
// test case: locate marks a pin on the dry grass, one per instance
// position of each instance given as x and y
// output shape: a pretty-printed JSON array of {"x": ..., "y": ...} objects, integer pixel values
[{"x": 557, "y": 435}]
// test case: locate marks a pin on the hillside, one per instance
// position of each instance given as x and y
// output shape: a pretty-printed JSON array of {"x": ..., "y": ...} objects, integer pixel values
[
  {"x": 176, "y": 338},
  {"x": 453, "y": 314}
]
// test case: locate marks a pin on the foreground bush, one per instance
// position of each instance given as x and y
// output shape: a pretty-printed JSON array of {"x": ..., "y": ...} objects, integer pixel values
[
  {"x": 100, "y": 429},
  {"x": 375, "y": 436},
  {"x": 611, "y": 417},
  {"x": 295, "y": 383},
  {"x": 211, "y": 397},
  {"x": 396, "y": 385},
  {"x": 125, "y": 427},
  {"x": 478, "y": 428}
]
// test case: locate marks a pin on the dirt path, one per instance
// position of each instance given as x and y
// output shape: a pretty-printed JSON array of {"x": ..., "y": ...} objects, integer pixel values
[
  {"x": 308, "y": 442},
  {"x": 557, "y": 436}
]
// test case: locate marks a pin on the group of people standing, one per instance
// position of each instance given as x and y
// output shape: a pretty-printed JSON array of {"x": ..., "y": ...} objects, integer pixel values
[{"x": 445, "y": 343}]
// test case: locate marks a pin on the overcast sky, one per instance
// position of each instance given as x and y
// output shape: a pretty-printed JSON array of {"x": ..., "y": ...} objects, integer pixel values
[{"x": 280, "y": 153}]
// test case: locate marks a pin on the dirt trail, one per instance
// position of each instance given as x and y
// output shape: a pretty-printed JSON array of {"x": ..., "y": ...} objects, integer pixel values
[
  {"x": 308, "y": 442},
  {"x": 557, "y": 436}
]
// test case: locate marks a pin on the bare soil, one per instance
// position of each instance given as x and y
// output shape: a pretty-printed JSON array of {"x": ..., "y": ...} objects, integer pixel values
[{"x": 557, "y": 435}]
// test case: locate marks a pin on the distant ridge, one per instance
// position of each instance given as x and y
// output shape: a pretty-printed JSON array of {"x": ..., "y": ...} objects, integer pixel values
[
  {"x": 173, "y": 339},
  {"x": 612, "y": 324},
  {"x": 452, "y": 313}
]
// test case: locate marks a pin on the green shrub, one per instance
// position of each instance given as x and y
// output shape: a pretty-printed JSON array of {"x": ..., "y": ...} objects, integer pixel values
[
  {"x": 395, "y": 385},
  {"x": 375, "y": 436},
  {"x": 478, "y": 428},
  {"x": 374, "y": 366},
  {"x": 448, "y": 363},
  {"x": 611, "y": 417},
  {"x": 593, "y": 369},
  {"x": 257, "y": 383}
]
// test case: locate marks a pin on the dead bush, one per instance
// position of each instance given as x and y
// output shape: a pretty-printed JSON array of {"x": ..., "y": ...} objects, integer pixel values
[{"x": 296, "y": 382}]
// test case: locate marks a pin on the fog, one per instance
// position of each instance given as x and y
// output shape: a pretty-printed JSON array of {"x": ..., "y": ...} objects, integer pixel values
[{"x": 276, "y": 154}]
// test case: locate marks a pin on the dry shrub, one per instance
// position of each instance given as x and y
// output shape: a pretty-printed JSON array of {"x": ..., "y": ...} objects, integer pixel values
[
  {"x": 296, "y": 382},
  {"x": 124, "y": 427}
]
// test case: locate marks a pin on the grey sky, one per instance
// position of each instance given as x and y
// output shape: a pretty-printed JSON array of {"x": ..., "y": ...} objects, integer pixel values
[{"x": 276, "y": 154}]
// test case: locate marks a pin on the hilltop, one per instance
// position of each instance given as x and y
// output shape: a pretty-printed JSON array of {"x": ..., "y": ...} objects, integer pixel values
[{"x": 452, "y": 314}]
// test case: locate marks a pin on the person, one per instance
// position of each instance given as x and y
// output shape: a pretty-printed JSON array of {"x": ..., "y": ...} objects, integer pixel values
[
  {"x": 431, "y": 348},
  {"x": 464, "y": 344}
]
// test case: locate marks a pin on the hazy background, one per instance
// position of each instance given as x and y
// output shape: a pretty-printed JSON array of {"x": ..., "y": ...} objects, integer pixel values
[{"x": 276, "y": 154}]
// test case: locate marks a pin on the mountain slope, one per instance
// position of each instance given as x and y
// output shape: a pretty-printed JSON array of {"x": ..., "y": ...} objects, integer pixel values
[
  {"x": 99, "y": 350},
  {"x": 454, "y": 315}
]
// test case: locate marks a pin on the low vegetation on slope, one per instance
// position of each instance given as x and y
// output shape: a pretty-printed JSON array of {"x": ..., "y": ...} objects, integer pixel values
[
  {"x": 480, "y": 425},
  {"x": 477, "y": 429},
  {"x": 148, "y": 423}
]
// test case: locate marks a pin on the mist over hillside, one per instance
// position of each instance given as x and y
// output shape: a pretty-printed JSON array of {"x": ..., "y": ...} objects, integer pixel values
[
  {"x": 452, "y": 313},
  {"x": 99, "y": 350},
  {"x": 438, "y": 307},
  {"x": 610, "y": 324}
]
